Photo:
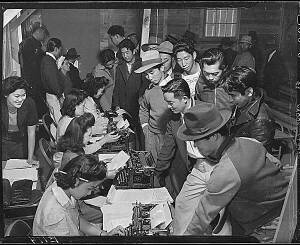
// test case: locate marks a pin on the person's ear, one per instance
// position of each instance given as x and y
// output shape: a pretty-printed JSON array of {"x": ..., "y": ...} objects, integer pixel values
[
  {"x": 185, "y": 99},
  {"x": 249, "y": 92},
  {"x": 194, "y": 55}
]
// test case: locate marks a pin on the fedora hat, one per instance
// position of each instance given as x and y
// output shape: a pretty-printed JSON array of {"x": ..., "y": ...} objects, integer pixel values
[
  {"x": 152, "y": 41},
  {"x": 165, "y": 47},
  {"x": 72, "y": 54},
  {"x": 150, "y": 59},
  {"x": 246, "y": 39},
  {"x": 202, "y": 120}
]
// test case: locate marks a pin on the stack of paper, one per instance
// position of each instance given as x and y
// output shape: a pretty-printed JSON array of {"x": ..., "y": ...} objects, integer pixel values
[
  {"x": 144, "y": 196},
  {"x": 18, "y": 169},
  {"x": 117, "y": 214}
]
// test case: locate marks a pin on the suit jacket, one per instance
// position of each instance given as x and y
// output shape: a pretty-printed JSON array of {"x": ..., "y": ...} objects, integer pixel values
[
  {"x": 129, "y": 88},
  {"x": 275, "y": 73},
  {"x": 74, "y": 77},
  {"x": 50, "y": 76}
]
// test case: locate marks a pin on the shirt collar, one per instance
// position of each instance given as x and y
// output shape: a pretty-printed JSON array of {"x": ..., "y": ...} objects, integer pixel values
[
  {"x": 52, "y": 55},
  {"x": 62, "y": 197}
]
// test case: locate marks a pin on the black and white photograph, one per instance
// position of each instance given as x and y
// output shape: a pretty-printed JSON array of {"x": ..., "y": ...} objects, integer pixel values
[{"x": 150, "y": 122}]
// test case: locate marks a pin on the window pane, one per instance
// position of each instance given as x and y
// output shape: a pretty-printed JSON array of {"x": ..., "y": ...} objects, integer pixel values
[
  {"x": 209, "y": 16},
  {"x": 234, "y": 19},
  {"x": 222, "y": 30},
  {"x": 223, "y": 16},
  {"x": 233, "y": 33},
  {"x": 209, "y": 30}
]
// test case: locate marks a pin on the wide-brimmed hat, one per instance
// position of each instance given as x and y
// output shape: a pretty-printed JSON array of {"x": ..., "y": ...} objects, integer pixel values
[
  {"x": 152, "y": 41},
  {"x": 246, "y": 39},
  {"x": 165, "y": 47},
  {"x": 72, "y": 54},
  {"x": 202, "y": 120},
  {"x": 150, "y": 59}
]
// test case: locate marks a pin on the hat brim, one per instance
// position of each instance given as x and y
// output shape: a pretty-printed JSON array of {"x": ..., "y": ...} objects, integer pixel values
[
  {"x": 147, "y": 67},
  {"x": 144, "y": 46},
  {"x": 181, "y": 133}
]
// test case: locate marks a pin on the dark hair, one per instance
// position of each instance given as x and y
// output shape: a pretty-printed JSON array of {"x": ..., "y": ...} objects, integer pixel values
[
  {"x": 116, "y": 29},
  {"x": 93, "y": 84},
  {"x": 183, "y": 46},
  {"x": 11, "y": 84},
  {"x": 72, "y": 99},
  {"x": 179, "y": 87},
  {"x": 126, "y": 43},
  {"x": 212, "y": 56},
  {"x": 73, "y": 138},
  {"x": 82, "y": 166},
  {"x": 105, "y": 56},
  {"x": 239, "y": 79},
  {"x": 52, "y": 44}
]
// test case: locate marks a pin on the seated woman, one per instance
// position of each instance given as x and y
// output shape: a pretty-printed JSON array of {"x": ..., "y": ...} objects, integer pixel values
[
  {"x": 74, "y": 106},
  {"x": 107, "y": 68},
  {"x": 58, "y": 213},
  {"x": 74, "y": 143},
  {"x": 94, "y": 87},
  {"x": 18, "y": 120}
]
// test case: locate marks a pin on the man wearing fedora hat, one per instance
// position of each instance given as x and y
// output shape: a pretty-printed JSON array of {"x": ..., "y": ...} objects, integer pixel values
[
  {"x": 244, "y": 57},
  {"x": 244, "y": 180},
  {"x": 72, "y": 57},
  {"x": 152, "y": 44},
  {"x": 154, "y": 112}
]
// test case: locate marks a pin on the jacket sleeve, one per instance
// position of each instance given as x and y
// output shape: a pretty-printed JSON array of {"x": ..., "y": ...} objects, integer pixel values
[
  {"x": 144, "y": 109},
  {"x": 116, "y": 92},
  {"x": 52, "y": 77},
  {"x": 166, "y": 153},
  {"x": 222, "y": 186}
]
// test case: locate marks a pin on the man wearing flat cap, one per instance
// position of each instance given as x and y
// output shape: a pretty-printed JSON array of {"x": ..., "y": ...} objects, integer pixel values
[
  {"x": 244, "y": 57},
  {"x": 72, "y": 57},
  {"x": 244, "y": 180}
]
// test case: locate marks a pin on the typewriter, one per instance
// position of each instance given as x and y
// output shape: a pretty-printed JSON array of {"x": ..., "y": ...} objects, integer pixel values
[
  {"x": 141, "y": 222},
  {"x": 139, "y": 172}
]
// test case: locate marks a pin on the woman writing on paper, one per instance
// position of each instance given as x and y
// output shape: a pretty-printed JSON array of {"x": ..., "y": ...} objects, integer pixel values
[
  {"x": 58, "y": 213},
  {"x": 18, "y": 120}
]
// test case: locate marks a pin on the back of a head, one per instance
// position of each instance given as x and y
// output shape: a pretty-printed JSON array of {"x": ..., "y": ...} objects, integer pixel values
[
  {"x": 72, "y": 99},
  {"x": 179, "y": 87},
  {"x": 126, "y": 43},
  {"x": 212, "y": 56},
  {"x": 93, "y": 84},
  {"x": 105, "y": 56},
  {"x": 183, "y": 45},
  {"x": 53, "y": 43},
  {"x": 87, "y": 167},
  {"x": 116, "y": 29},
  {"x": 240, "y": 78},
  {"x": 11, "y": 84}
]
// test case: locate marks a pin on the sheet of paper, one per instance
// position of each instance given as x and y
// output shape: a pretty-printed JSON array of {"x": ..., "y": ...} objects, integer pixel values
[
  {"x": 118, "y": 161},
  {"x": 161, "y": 215},
  {"x": 17, "y": 163},
  {"x": 144, "y": 196},
  {"x": 107, "y": 157},
  {"x": 19, "y": 174},
  {"x": 117, "y": 214},
  {"x": 97, "y": 201}
]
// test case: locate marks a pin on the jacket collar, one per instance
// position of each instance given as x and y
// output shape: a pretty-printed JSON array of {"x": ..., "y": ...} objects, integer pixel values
[
  {"x": 252, "y": 109},
  {"x": 62, "y": 197}
]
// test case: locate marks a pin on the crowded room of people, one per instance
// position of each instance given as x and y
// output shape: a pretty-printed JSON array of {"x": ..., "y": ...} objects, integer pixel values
[{"x": 150, "y": 123}]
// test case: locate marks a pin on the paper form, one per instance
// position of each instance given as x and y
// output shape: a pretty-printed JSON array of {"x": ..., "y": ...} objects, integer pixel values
[{"x": 118, "y": 161}]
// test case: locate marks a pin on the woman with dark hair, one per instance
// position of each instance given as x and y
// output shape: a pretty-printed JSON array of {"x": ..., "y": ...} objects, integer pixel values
[
  {"x": 73, "y": 105},
  {"x": 107, "y": 68},
  {"x": 18, "y": 120},
  {"x": 95, "y": 88},
  {"x": 58, "y": 213}
]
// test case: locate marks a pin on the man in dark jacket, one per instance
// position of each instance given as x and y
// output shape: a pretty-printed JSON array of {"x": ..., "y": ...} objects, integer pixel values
[
  {"x": 72, "y": 56},
  {"x": 244, "y": 180},
  {"x": 213, "y": 74},
  {"x": 30, "y": 56},
  {"x": 129, "y": 87},
  {"x": 251, "y": 117},
  {"x": 51, "y": 79},
  {"x": 117, "y": 35}
]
